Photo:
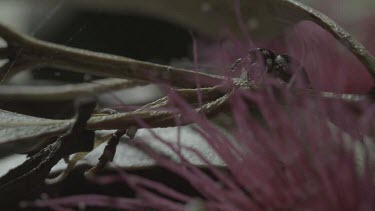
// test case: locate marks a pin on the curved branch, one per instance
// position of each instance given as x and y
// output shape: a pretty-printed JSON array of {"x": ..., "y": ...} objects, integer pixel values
[
  {"x": 11, "y": 37},
  {"x": 47, "y": 54},
  {"x": 64, "y": 92},
  {"x": 346, "y": 39}
]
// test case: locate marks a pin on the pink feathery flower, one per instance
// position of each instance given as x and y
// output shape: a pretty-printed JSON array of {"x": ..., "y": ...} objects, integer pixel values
[{"x": 285, "y": 158}]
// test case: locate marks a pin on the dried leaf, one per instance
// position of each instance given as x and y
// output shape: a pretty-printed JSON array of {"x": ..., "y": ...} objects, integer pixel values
[
  {"x": 26, "y": 179},
  {"x": 20, "y": 132},
  {"x": 77, "y": 157}
]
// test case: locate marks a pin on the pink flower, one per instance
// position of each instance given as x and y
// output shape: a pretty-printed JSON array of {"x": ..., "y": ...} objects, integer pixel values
[{"x": 284, "y": 158}]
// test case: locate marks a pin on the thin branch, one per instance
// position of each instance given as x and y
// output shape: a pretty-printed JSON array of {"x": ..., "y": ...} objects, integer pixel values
[
  {"x": 345, "y": 97},
  {"x": 109, "y": 151},
  {"x": 214, "y": 99},
  {"x": 346, "y": 39},
  {"x": 64, "y": 92},
  {"x": 190, "y": 95},
  {"x": 154, "y": 118},
  {"x": 47, "y": 54},
  {"x": 17, "y": 61},
  {"x": 331, "y": 95},
  {"x": 11, "y": 37},
  {"x": 74, "y": 160}
]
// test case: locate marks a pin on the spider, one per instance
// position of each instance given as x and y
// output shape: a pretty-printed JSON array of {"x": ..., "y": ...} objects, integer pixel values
[{"x": 281, "y": 66}]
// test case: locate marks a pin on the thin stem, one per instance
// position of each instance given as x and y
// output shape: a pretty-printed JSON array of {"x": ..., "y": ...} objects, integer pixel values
[
  {"x": 346, "y": 39},
  {"x": 45, "y": 54},
  {"x": 121, "y": 67},
  {"x": 109, "y": 151},
  {"x": 64, "y": 92},
  {"x": 331, "y": 95},
  {"x": 190, "y": 95},
  {"x": 153, "y": 118}
]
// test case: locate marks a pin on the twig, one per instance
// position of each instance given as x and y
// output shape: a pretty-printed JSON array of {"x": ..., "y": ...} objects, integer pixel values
[
  {"x": 344, "y": 97},
  {"x": 331, "y": 95},
  {"x": 346, "y": 39},
  {"x": 208, "y": 109},
  {"x": 73, "y": 162},
  {"x": 299, "y": 92},
  {"x": 188, "y": 94},
  {"x": 110, "y": 149},
  {"x": 29, "y": 53},
  {"x": 160, "y": 118},
  {"x": 64, "y": 92}
]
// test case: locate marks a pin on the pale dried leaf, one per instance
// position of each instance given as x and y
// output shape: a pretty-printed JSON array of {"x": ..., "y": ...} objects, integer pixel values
[{"x": 20, "y": 132}]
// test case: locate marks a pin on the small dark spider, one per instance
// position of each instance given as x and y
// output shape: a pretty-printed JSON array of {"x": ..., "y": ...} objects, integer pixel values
[{"x": 281, "y": 66}]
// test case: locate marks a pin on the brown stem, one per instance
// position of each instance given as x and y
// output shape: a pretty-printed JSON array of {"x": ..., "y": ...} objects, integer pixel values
[
  {"x": 45, "y": 54},
  {"x": 64, "y": 92},
  {"x": 346, "y": 39},
  {"x": 115, "y": 66}
]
